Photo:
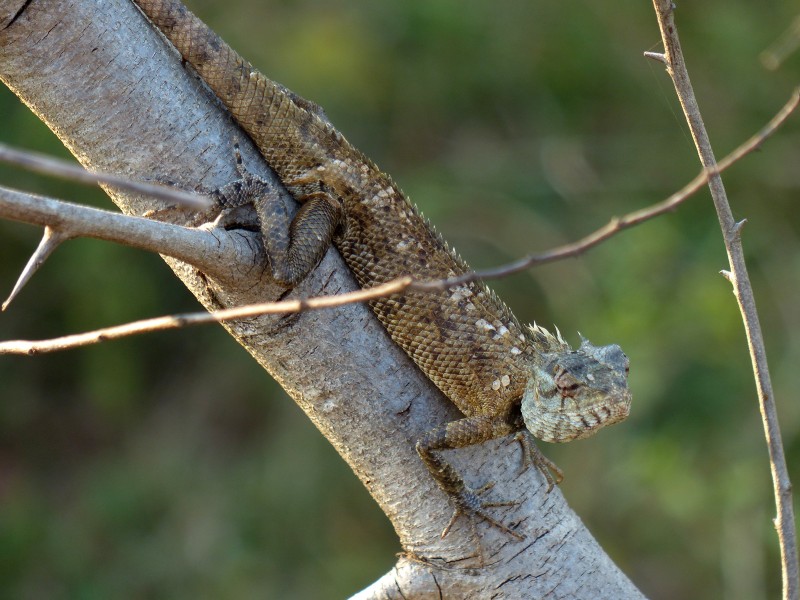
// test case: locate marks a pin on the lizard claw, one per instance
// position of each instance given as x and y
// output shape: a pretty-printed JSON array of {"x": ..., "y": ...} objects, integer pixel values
[{"x": 532, "y": 456}]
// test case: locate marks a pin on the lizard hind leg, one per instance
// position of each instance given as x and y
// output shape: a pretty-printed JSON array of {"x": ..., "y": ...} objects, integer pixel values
[{"x": 293, "y": 246}]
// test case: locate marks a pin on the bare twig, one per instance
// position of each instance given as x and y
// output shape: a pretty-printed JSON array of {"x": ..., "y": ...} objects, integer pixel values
[
  {"x": 177, "y": 321},
  {"x": 47, "y": 165},
  {"x": 619, "y": 224},
  {"x": 784, "y": 523}
]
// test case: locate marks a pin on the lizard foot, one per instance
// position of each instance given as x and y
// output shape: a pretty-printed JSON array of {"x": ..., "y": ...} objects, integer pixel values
[
  {"x": 468, "y": 504},
  {"x": 471, "y": 506},
  {"x": 532, "y": 456}
]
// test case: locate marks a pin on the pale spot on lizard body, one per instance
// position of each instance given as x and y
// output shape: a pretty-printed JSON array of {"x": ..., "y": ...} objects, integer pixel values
[
  {"x": 460, "y": 293},
  {"x": 484, "y": 324}
]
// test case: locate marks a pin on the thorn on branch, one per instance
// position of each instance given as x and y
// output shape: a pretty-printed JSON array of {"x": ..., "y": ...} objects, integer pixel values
[
  {"x": 727, "y": 275},
  {"x": 51, "y": 239},
  {"x": 660, "y": 57},
  {"x": 737, "y": 229}
]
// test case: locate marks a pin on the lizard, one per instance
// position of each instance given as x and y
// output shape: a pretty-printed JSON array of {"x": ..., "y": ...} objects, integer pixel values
[{"x": 504, "y": 377}]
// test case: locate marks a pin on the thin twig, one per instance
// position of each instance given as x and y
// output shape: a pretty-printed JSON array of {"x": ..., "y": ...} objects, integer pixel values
[
  {"x": 177, "y": 321},
  {"x": 47, "y": 165},
  {"x": 783, "y": 47},
  {"x": 619, "y": 224},
  {"x": 784, "y": 522}
]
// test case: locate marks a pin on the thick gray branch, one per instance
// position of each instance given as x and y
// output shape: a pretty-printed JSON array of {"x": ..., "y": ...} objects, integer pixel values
[{"x": 119, "y": 99}]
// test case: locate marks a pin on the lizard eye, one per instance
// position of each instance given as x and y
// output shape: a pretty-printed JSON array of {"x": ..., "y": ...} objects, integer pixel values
[{"x": 566, "y": 382}]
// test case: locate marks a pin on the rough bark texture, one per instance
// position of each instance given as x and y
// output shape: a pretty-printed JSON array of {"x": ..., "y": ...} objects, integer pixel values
[{"x": 118, "y": 98}]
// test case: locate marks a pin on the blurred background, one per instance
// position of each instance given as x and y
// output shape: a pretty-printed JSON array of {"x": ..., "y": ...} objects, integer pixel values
[{"x": 171, "y": 466}]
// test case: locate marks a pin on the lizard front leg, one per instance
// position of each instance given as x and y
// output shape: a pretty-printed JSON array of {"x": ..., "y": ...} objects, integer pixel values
[{"x": 458, "y": 434}]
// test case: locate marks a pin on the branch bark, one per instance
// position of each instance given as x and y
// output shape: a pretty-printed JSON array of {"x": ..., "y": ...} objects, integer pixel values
[
  {"x": 743, "y": 290},
  {"x": 119, "y": 99}
]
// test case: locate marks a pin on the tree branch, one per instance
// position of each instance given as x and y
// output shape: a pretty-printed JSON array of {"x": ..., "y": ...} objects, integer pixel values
[
  {"x": 215, "y": 252},
  {"x": 743, "y": 290},
  {"x": 47, "y": 165}
]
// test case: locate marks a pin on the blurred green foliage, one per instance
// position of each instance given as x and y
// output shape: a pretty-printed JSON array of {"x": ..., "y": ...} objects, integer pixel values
[{"x": 171, "y": 466}]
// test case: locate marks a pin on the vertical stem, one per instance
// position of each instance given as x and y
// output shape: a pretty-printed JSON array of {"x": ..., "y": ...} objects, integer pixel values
[{"x": 743, "y": 290}]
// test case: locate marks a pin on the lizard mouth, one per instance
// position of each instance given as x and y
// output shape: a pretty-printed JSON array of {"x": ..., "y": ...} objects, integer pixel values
[{"x": 572, "y": 418}]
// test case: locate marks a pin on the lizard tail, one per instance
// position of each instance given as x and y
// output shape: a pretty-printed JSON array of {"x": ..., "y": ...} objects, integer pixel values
[
  {"x": 225, "y": 71},
  {"x": 261, "y": 106}
]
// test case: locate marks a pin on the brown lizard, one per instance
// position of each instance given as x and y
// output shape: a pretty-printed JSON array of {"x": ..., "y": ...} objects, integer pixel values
[{"x": 506, "y": 378}]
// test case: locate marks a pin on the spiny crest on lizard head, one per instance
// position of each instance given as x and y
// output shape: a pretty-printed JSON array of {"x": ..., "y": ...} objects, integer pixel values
[{"x": 546, "y": 341}]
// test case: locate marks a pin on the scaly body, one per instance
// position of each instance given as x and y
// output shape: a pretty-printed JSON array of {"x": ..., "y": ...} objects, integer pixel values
[{"x": 506, "y": 378}]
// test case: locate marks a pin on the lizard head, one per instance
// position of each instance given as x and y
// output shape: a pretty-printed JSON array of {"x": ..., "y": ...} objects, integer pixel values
[{"x": 574, "y": 393}]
